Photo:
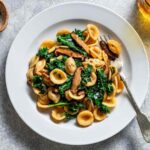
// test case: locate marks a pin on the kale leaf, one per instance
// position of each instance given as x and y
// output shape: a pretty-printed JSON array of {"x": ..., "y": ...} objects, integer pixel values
[
  {"x": 80, "y": 34},
  {"x": 60, "y": 103},
  {"x": 78, "y": 62},
  {"x": 86, "y": 74},
  {"x": 37, "y": 83},
  {"x": 75, "y": 106},
  {"x": 43, "y": 53},
  {"x": 96, "y": 92},
  {"x": 69, "y": 116},
  {"x": 57, "y": 63},
  {"x": 62, "y": 88},
  {"x": 68, "y": 41}
]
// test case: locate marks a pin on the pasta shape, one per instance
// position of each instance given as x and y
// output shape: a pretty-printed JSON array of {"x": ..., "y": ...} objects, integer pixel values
[
  {"x": 112, "y": 95},
  {"x": 98, "y": 115},
  {"x": 74, "y": 77},
  {"x": 58, "y": 114},
  {"x": 114, "y": 46},
  {"x": 43, "y": 99},
  {"x": 93, "y": 31},
  {"x": 47, "y": 44},
  {"x": 110, "y": 102},
  {"x": 30, "y": 75},
  {"x": 58, "y": 76},
  {"x": 119, "y": 84},
  {"x": 96, "y": 52},
  {"x": 33, "y": 61},
  {"x": 63, "y": 31},
  {"x": 40, "y": 66},
  {"x": 77, "y": 96},
  {"x": 85, "y": 118}
]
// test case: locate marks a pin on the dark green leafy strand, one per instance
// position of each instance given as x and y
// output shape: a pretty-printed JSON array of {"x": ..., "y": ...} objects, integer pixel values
[
  {"x": 62, "y": 88},
  {"x": 61, "y": 103},
  {"x": 86, "y": 74},
  {"x": 37, "y": 83},
  {"x": 80, "y": 34},
  {"x": 67, "y": 41},
  {"x": 109, "y": 88},
  {"x": 57, "y": 63},
  {"x": 69, "y": 116},
  {"x": 78, "y": 62},
  {"x": 75, "y": 106},
  {"x": 96, "y": 92},
  {"x": 43, "y": 53}
]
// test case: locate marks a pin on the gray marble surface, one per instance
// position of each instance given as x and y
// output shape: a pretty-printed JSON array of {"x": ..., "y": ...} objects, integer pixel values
[{"x": 14, "y": 134}]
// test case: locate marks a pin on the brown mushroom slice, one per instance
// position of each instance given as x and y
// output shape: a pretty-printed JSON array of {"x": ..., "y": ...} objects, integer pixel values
[
  {"x": 58, "y": 114},
  {"x": 85, "y": 118},
  {"x": 80, "y": 42},
  {"x": 58, "y": 76},
  {"x": 105, "y": 47},
  {"x": 76, "y": 96},
  {"x": 53, "y": 95},
  {"x": 68, "y": 52},
  {"x": 76, "y": 80},
  {"x": 98, "y": 115},
  {"x": 70, "y": 66},
  {"x": 93, "y": 79}
]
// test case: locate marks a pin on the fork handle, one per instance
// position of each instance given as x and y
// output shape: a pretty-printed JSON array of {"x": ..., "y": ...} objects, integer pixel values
[{"x": 142, "y": 119}]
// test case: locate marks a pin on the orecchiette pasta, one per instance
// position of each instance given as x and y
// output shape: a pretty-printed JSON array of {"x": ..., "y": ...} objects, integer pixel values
[
  {"x": 33, "y": 61},
  {"x": 98, "y": 115},
  {"x": 40, "y": 66},
  {"x": 58, "y": 76},
  {"x": 75, "y": 77},
  {"x": 79, "y": 96},
  {"x": 58, "y": 114},
  {"x": 110, "y": 102},
  {"x": 85, "y": 118},
  {"x": 93, "y": 31},
  {"x": 47, "y": 44},
  {"x": 63, "y": 32},
  {"x": 114, "y": 46}
]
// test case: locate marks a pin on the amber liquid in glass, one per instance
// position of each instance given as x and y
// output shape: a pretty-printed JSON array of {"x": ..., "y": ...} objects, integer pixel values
[{"x": 144, "y": 8}]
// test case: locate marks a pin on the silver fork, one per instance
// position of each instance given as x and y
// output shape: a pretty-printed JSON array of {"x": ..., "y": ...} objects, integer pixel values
[{"x": 142, "y": 119}]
